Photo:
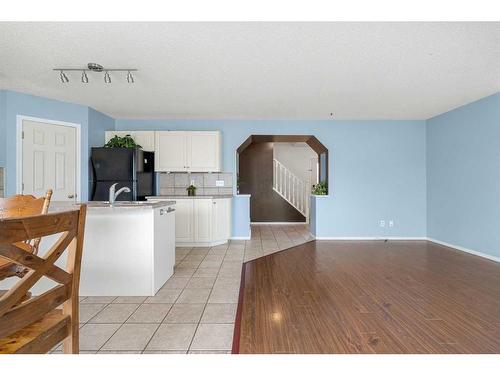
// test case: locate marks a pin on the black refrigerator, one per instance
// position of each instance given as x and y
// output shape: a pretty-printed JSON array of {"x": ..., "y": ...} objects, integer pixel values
[{"x": 132, "y": 168}]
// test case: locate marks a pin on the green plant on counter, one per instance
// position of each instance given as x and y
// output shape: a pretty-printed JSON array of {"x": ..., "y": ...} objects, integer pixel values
[
  {"x": 191, "y": 189},
  {"x": 320, "y": 188},
  {"x": 122, "y": 142}
]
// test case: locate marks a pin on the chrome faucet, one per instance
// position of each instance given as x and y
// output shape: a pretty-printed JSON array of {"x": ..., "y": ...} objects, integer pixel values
[{"x": 113, "y": 195}]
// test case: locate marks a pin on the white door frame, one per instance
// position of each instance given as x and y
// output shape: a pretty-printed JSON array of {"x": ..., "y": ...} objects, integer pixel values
[{"x": 19, "y": 150}]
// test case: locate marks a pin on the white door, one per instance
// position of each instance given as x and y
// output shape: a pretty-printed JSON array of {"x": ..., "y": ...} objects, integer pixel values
[
  {"x": 203, "y": 220},
  {"x": 184, "y": 230},
  {"x": 203, "y": 150},
  {"x": 49, "y": 160},
  {"x": 170, "y": 151}
]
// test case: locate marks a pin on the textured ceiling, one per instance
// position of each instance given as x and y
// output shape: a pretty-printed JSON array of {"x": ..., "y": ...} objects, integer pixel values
[{"x": 258, "y": 70}]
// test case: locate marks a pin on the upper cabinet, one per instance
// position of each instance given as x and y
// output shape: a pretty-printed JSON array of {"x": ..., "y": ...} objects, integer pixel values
[
  {"x": 170, "y": 152},
  {"x": 187, "y": 151},
  {"x": 144, "y": 138}
]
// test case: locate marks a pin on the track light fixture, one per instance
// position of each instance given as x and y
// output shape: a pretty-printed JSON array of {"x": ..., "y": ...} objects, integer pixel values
[
  {"x": 130, "y": 78},
  {"x": 96, "y": 68},
  {"x": 107, "y": 78},
  {"x": 64, "y": 78}
]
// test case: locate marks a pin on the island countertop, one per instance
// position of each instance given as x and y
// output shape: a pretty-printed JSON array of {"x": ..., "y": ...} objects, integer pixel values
[
  {"x": 119, "y": 205},
  {"x": 164, "y": 198}
]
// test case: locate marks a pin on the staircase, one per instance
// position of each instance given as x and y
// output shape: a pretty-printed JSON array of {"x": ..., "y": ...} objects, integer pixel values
[{"x": 291, "y": 188}]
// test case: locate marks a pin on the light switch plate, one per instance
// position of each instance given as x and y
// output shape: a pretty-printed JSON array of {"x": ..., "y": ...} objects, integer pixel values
[{"x": 219, "y": 183}]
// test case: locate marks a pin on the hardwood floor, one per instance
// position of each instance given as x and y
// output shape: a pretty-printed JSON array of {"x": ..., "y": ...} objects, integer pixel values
[{"x": 369, "y": 297}]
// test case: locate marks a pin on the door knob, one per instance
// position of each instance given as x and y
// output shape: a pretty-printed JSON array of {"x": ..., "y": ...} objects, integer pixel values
[{"x": 71, "y": 196}]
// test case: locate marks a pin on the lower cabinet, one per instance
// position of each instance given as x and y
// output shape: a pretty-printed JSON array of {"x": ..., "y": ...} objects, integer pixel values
[
  {"x": 184, "y": 223},
  {"x": 203, "y": 222},
  {"x": 200, "y": 221}
]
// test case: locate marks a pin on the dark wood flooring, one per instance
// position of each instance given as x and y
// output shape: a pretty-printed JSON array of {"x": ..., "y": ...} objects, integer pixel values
[{"x": 369, "y": 297}]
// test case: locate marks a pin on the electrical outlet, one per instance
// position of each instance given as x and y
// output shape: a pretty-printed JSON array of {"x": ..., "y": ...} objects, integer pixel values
[
  {"x": 219, "y": 183},
  {"x": 391, "y": 223},
  {"x": 382, "y": 224}
]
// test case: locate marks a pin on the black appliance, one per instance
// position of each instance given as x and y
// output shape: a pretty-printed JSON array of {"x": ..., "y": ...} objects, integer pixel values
[{"x": 132, "y": 168}]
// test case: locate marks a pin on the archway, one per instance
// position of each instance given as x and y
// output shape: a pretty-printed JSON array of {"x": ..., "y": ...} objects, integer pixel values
[{"x": 279, "y": 192}]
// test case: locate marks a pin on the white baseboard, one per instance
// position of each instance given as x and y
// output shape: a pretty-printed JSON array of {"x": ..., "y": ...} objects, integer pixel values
[
  {"x": 200, "y": 244},
  {"x": 456, "y": 247},
  {"x": 279, "y": 223},
  {"x": 240, "y": 238},
  {"x": 464, "y": 249},
  {"x": 370, "y": 238}
]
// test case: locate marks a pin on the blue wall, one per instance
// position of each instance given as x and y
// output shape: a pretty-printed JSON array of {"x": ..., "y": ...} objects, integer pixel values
[
  {"x": 463, "y": 176},
  {"x": 439, "y": 178},
  {"x": 98, "y": 124},
  {"x": 3, "y": 128},
  {"x": 377, "y": 169},
  {"x": 14, "y": 103},
  {"x": 241, "y": 217}
]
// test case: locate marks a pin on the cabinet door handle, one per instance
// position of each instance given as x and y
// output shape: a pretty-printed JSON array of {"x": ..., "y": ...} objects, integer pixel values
[
  {"x": 170, "y": 210},
  {"x": 71, "y": 196}
]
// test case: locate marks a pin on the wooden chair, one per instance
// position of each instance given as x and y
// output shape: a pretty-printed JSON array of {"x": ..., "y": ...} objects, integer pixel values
[
  {"x": 20, "y": 206},
  {"x": 37, "y": 325}
]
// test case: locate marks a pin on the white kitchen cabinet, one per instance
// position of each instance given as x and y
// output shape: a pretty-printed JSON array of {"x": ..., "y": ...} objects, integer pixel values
[
  {"x": 221, "y": 219},
  {"x": 171, "y": 152},
  {"x": 187, "y": 151},
  {"x": 144, "y": 138},
  {"x": 184, "y": 226},
  {"x": 203, "y": 151},
  {"x": 201, "y": 221}
]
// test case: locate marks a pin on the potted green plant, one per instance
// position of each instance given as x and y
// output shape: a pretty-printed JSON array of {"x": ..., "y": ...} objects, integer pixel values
[
  {"x": 321, "y": 188},
  {"x": 191, "y": 189},
  {"x": 122, "y": 142}
]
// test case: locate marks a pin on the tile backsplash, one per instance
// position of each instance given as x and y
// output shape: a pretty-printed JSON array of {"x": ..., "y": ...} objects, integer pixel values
[
  {"x": 176, "y": 183},
  {"x": 2, "y": 191}
]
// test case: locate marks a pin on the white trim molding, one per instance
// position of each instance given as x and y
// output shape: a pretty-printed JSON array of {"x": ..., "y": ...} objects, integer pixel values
[
  {"x": 370, "y": 238},
  {"x": 19, "y": 151},
  {"x": 456, "y": 247},
  {"x": 240, "y": 238},
  {"x": 279, "y": 223},
  {"x": 466, "y": 250}
]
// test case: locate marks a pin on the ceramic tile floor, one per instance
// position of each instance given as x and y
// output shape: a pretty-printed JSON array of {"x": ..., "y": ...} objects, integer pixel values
[{"x": 194, "y": 312}]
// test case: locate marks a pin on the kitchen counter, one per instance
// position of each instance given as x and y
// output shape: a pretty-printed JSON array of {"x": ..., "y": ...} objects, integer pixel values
[
  {"x": 56, "y": 206},
  {"x": 129, "y": 248},
  {"x": 174, "y": 197},
  {"x": 201, "y": 220}
]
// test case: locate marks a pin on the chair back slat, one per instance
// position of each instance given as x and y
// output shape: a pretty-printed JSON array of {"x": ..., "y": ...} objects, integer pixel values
[
  {"x": 21, "y": 229},
  {"x": 18, "y": 315},
  {"x": 33, "y": 309},
  {"x": 24, "y": 205}
]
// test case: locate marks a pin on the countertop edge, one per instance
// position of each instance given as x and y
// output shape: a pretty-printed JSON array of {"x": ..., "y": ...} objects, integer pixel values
[{"x": 175, "y": 197}]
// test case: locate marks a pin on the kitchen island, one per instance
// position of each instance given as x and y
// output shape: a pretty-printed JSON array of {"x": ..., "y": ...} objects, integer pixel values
[{"x": 129, "y": 248}]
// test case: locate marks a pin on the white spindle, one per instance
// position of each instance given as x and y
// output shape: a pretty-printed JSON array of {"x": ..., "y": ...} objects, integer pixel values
[{"x": 290, "y": 187}]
